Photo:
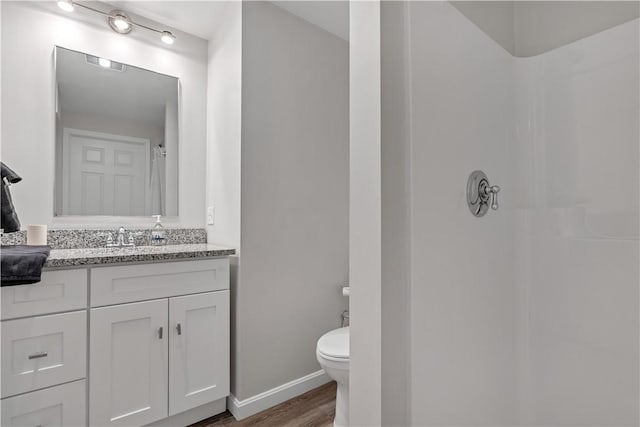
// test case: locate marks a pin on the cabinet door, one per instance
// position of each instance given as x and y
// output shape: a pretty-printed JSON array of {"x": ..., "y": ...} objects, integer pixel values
[
  {"x": 198, "y": 350},
  {"x": 128, "y": 364},
  {"x": 63, "y": 405}
]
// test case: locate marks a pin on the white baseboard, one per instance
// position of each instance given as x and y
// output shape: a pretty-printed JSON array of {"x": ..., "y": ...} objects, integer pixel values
[{"x": 245, "y": 408}]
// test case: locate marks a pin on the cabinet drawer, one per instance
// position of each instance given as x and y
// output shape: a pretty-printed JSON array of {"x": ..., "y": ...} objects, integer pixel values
[
  {"x": 39, "y": 352},
  {"x": 130, "y": 283},
  {"x": 63, "y": 405},
  {"x": 63, "y": 290}
]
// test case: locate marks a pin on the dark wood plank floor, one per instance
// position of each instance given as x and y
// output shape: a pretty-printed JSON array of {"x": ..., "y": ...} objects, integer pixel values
[{"x": 315, "y": 408}]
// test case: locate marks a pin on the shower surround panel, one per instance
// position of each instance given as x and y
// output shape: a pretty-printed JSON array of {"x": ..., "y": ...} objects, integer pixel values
[
  {"x": 529, "y": 315},
  {"x": 577, "y": 187}
]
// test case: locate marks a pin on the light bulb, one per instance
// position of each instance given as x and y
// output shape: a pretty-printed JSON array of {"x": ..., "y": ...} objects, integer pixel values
[
  {"x": 167, "y": 37},
  {"x": 104, "y": 62},
  {"x": 121, "y": 23},
  {"x": 66, "y": 5}
]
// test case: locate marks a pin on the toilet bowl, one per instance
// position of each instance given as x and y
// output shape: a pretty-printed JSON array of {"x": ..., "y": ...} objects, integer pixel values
[{"x": 332, "y": 352}]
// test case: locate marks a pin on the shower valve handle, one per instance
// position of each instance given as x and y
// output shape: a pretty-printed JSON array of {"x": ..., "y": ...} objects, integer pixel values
[{"x": 493, "y": 191}]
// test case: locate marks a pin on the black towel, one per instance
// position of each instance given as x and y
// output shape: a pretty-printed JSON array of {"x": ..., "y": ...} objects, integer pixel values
[
  {"x": 22, "y": 264},
  {"x": 8, "y": 217}
]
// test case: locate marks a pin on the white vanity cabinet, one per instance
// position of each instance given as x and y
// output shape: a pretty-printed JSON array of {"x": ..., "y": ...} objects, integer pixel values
[
  {"x": 162, "y": 356},
  {"x": 44, "y": 351},
  {"x": 117, "y": 345}
]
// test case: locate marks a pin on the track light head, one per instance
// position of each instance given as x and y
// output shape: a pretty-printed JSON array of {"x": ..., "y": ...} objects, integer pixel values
[
  {"x": 119, "y": 22},
  {"x": 167, "y": 37}
]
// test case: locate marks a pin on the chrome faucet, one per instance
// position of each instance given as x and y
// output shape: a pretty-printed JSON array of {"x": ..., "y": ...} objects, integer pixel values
[{"x": 120, "y": 240}]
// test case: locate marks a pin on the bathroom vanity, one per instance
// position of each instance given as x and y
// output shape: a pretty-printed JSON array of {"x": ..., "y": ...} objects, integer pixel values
[
  {"x": 110, "y": 134},
  {"x": 118, "y": 337}
]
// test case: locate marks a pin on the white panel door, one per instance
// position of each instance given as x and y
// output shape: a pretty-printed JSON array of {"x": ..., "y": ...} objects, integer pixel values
[
  {"x": 104, "y": 174},
  {"x": 198, "y": 350},
  {"x": 128, "y": 364},
  {"x": 63, "y": 405}
]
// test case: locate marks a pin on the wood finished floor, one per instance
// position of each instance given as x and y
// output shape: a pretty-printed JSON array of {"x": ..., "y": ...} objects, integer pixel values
[{"x": 315, "y": 408}]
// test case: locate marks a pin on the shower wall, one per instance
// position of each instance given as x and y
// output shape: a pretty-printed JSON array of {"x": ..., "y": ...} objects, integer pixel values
[
  {"x": 577, "y": 196},
  {"x": 463, "y": 331},
  {"x": 529, "y": 315}
]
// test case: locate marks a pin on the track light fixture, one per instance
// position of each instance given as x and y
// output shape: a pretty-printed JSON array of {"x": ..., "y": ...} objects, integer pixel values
[{"x": 118, "y": 20}]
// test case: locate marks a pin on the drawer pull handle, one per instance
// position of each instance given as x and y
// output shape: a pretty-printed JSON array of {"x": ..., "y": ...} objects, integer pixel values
[
  {"x": 38, "y": 355},
  {"x": 179, "y": 329},
  {"x": 160, "y": 331}
]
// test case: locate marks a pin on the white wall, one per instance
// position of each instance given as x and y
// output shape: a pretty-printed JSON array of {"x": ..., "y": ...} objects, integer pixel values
[
  {"x": 170, "y": 189},
  {"x": 224, "y": 98},
  {"x": 396, "y": 232},
  {"x": 578, "y": 190},
  {"x": 365, "y": 215},
  {"x": 114, "y": 126},
  {"x": 463, "y": 367},
  {"x": 495, "y": 18},
  {"x": 541, "y": 26},
  {"x": 529, "y": 28},
  {"x": 29, "y": 33},
  {"x": 294, "y": 197},
  {"x": 332, "y": 16},
  {"x": 224, "y": 117}
]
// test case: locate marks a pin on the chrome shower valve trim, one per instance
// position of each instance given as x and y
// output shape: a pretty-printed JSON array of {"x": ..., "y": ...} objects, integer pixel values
[{"x": 481, "y": 194}]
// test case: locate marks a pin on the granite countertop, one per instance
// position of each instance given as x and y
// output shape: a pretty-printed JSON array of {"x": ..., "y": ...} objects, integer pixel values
[{"x": 94, "y": 256}]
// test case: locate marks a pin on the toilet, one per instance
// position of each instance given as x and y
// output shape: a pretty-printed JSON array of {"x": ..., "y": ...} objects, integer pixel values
[{"x": 332, "y": 352}]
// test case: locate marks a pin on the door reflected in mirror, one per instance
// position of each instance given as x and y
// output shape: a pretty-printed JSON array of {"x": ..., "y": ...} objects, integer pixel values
[{"x": 116, "y": 138}]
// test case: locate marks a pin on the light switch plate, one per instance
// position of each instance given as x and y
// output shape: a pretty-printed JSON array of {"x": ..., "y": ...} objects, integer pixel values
[{"x": 210, "y": 215}]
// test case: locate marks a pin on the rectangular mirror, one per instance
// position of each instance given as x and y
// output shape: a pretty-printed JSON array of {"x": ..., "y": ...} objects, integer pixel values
[{"x": 116, "y": 138}]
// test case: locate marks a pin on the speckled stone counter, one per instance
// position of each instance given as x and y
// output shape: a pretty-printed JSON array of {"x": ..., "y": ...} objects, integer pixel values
[
  {"x": 97, "y": 256},
  {"x": 92, "y": 238}
]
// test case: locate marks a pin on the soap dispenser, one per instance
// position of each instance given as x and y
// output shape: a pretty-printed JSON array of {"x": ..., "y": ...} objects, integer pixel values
[{"x": 158, "y": 234}]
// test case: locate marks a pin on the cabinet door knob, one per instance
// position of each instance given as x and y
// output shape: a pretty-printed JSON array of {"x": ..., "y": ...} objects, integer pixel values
[
  {"x": 160, "y": 331},
  {"x": 179, "y": 329}
]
